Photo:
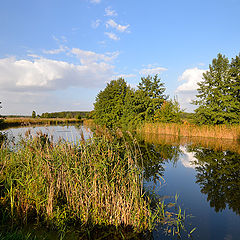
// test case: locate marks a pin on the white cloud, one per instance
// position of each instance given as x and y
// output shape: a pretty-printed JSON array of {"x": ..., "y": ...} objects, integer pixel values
[
  {"x": 113, "y": 24},
  {"x": 95, "y": 24},
  {"x": 110, "y": 12},
  {"x": 87, "y": 57},
  {"x": 191, "y": 77},
  {"x": 112, "y": 36},
  {"x": 46, "y": 74},
  {"x": 187, "y": 91},
  {"x": 152, "y": 71}
]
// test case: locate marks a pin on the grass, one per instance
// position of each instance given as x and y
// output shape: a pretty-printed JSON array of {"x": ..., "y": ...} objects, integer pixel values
[
  {"x": 191, "y": 130},
  {"x": 92, "y": 183},
  {"x": 22, "y": 121}
]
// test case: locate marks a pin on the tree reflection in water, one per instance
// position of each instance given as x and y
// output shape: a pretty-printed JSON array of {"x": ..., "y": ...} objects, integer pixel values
[
  {"x": 218, "y": 174},
  {"x": 154, "y": 157}
]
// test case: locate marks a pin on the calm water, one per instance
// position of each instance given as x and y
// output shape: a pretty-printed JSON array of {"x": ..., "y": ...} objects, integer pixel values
[{"x": 205, "y": 173}]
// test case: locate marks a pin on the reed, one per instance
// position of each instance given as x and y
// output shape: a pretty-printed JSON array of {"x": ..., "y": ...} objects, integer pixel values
[
  {"x": 190, "y": 130},
  {"x": 11, "y": 122},
  {"x": 97, "y": 182}
]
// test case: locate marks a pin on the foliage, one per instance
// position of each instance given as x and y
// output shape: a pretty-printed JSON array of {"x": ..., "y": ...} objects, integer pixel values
[
  {"x": 70, "y": 114},
  {"x": 110, "y": 103},
  {"x": 218, "y": 93},
  {"x": 218, "y": 176},
  {"x": 33, "y": 114},
  {"x": 169, "y": 112},
  {"x": 119, "y": 105}
]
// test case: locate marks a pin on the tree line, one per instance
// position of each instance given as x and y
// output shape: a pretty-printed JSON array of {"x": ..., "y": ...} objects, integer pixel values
[
  {"x": 217, "y": 101},
  {"x": 120, "y": 105}
]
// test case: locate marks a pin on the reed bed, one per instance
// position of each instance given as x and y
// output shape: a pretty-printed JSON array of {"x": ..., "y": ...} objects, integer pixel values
[
  {"x": 96, "y": 182},
  {"x": 213, "y": 143},
  {"x": 12, "y": 122},
  {"x": 190, "y": 130}
]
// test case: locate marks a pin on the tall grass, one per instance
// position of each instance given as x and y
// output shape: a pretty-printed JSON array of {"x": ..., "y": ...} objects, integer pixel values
[
  {"x": 190, "y": 130},
  {"x": 96, "y": 182},
  {"x": 11, "y": 122}
]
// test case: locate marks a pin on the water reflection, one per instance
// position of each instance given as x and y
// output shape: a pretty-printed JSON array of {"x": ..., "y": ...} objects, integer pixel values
[
  {"x": 218, "y": 174},
  {"x": 216, "y": 163}
]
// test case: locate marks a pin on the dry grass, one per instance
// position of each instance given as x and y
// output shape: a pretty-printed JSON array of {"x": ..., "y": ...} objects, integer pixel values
[
  {"x": 190, "y": 130},
  {"x": 8, "y": 122},
  {"x": 213, "y": 143}
]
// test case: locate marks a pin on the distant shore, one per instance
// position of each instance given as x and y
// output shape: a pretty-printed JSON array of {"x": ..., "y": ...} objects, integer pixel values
[{"x": 23, "y": 121}]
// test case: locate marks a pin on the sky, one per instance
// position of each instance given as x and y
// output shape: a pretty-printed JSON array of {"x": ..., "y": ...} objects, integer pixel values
[{"x": 56, "y": 55}]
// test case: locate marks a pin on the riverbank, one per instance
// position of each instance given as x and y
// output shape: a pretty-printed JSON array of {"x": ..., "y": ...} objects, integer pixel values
[
  {"x": 191, "y": 130},
  {"x": 15, "y": 122}
]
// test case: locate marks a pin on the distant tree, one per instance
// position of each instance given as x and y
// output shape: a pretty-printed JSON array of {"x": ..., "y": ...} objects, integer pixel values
[
  {"x": 169, "y": 112},
  {"x": 33, "y": 114},
  {"x": 217, "y": 93},
  {"x": 110, "y": 103},
  {"x": 78, "y": 117}
]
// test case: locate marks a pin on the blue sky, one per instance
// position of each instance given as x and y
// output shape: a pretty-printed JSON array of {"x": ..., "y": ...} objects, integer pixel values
[{"x": 56, "y": 55}]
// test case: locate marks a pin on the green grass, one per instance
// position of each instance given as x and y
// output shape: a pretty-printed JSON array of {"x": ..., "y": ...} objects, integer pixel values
[{"x": 92, "y": 183}]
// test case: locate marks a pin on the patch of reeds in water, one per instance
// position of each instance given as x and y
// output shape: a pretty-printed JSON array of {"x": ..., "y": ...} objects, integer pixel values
[
  {"x": 11, "y": 122},
  {"x": 97, "y": 182},
  {"x": 213, "y": 143},
  {"x": 190, "y": 130}
]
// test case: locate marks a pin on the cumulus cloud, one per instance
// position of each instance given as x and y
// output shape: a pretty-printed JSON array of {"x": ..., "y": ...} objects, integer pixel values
[
  {"x": 112, "y": 36},
  {"x": 110, "y": 12},
  {"x": 152, "y": 71},
  {"x": 188, "y": 89},
  {"x": 46, "y": 74},
  {"x": 191, "y": 77},
  {"x": 118, "y": 27}
]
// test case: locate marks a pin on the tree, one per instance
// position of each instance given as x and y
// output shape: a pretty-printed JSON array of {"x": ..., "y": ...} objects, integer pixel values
[
  {"x": 152, "y": 91},
  {"x": 110, "y": 103},
  {"x": 33, "y": 114},
  {"x": 169, "y": 112},
  {"x": 217, "y": 95}
]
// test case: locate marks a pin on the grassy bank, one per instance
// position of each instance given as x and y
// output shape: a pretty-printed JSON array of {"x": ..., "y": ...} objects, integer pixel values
[
  {"x": 190, "y": 130},
  {"x": 12, "y": 122},
  {"x": 93, "y": 183},
  {"x": 212, "y": 143}
]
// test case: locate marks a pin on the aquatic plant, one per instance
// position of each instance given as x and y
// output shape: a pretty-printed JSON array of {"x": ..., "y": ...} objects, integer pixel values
[{"x": 96, "y": 182}]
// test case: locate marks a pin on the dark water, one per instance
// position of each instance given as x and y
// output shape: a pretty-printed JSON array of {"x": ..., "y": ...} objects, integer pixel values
[{"x": 205, "y": 173}]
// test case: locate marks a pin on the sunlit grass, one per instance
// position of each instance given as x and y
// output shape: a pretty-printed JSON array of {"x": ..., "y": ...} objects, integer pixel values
[
  {"x": 95, "y": 182},
  {"x": 190, "y": 130}
]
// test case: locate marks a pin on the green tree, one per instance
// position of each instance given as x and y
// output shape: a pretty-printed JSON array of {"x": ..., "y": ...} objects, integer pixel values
[
  {"x": 169, "y": 112},
  {"x": 33, "y": 114},
  {"x": 216, "y": 95},
  {"x": 151, "y": 89},
  {"x": 110, "y": 103}
]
